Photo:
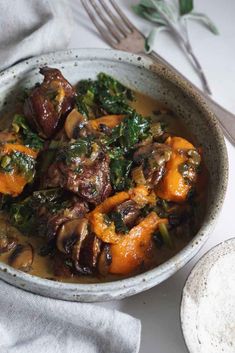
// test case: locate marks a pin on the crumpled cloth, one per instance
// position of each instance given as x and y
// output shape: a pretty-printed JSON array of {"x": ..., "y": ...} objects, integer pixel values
[
  {"x": 33, "y": 27},
  {"x": 30, "y": 323}
]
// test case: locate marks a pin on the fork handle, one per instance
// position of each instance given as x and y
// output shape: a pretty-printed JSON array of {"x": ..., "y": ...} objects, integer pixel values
[{"x": 225, "y": 118}]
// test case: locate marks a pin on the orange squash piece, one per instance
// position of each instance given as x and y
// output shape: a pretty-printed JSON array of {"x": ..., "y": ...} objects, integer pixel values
[
  {"x": 13, "y": 183},
  {"x": 142, "y": 195},
  {"x": 107, "y": 205},
  {"x": 133, "y": 249},
  {"x": 11, "y": 147},
  {"x": 173, "y": 186},
  {"x": 108, "y": 120},
  {"x": 105, "y": 232}
]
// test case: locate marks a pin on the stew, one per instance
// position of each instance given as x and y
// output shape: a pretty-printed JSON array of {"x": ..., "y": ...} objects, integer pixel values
[{"x": 97, "y": 182}]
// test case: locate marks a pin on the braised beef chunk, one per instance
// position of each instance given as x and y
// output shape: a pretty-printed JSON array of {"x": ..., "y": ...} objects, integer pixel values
[
  {"x": 153, "y": 158},
  {"x": 48, "y": 103},
  {"x": 93, "y": 183},
  {"x": 87, "y": 177}
]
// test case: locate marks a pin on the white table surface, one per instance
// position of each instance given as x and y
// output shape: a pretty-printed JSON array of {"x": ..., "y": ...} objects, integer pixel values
[{"x": 158, "y": 308}]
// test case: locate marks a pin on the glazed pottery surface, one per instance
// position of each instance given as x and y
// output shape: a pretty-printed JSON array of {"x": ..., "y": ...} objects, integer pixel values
[
  {"x": 141, "y": 74},
  {"x": 208, "y": 306}
]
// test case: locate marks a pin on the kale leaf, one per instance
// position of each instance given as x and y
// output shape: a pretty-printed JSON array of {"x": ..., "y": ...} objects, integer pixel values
[
  {"x": 103, "y": 96},
  {"x": 71, "y": 151},
  {"x": 30, "y": 138},
  {"x": 132, "y": 129},
  {"x": 23, "y": 213},
  {"x": 19, "y": 162},
  {"x": 117, "y": 218},
  {"x": 119, "y": 174}
]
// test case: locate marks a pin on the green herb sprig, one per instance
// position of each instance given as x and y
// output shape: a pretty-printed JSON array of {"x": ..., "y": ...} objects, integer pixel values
[{"x": 173, "y": 17}]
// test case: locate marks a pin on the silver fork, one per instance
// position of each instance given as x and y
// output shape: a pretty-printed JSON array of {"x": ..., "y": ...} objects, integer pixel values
[{"x": 120, "y": 33}]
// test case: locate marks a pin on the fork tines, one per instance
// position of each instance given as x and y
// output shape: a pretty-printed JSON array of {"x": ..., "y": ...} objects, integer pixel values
[{"x": 109, "y": 20}]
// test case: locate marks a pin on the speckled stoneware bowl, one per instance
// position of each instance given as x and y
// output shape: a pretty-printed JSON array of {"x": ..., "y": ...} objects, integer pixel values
[
  {"x": 144, "y": 75},
  {"x": 208, "y": 305}
]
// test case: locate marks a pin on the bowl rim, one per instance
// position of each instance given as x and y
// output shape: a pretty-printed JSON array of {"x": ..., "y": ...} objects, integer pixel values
[
  {"x": 184, "y": 255},
  {"x": 197, "y": 266}
]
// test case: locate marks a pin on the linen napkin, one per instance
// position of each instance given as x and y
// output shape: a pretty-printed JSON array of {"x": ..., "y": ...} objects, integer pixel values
[
  {"x": 30, "y": 323},
  {"x": 32, "y": 27}
]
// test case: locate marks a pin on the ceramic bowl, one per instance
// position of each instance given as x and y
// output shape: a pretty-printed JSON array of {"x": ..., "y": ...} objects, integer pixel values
[
  {"x": 208, "y": 305},
  {"x": 141, "y": 74}
]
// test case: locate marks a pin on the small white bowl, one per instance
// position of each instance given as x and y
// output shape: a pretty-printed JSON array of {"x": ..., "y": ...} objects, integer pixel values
[{"x": 208, "y": 302}]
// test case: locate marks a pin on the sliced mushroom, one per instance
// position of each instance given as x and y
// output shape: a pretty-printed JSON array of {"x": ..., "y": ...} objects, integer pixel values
[
  {"x": 83, "y": 247},
  {"x": 158, "y": 151},
  {"x": 71, "y": 235},
  {"x": 153, "y": 159},
  {"x": 105, "y": 260},
  {"x": 8, "y": 237},
  {"x": 88, "y": 255},
  {"x": 138, "y": 175},
  {"x": 74, "y": 122},
  {"x": 7, "y": 244},
  {"x": 22, "y": 257},
  {"x": 93, "y": 250},
  {"x": 62, "y": 266},
  {"x": 82, "y": 230},
  {"x": 129, "y": 212}
]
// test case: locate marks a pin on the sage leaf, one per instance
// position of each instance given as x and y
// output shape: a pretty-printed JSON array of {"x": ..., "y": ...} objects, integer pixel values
[
  {"x": 204, "y": 19},
  {"x": 151, "y": 39},
  {"x": 165, "y": 9},
  {"x": 152, "y": 16},
  {"x": 173, "y": 16},
  {"x": 185, "y": 6},
  {"x": 148, "y": 3}
]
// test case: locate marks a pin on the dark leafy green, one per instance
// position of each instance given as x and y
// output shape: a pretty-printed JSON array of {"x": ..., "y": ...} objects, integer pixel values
[
  {"x": 23, "y": 213},
  {"x": 158, "y": 239},
  {"x": 71, "y": 151},
  {"x": 117, "y": 218},
  {"x": 49, "y": 195},
  {"x": 119, "y": 174},
  {"x": 166, "y": 235},
  {"x": 102, "y": 96},
  {"x": 19, "y": 162},
  {"x": 132, "y": 129},
  {"x": 30, "y": 138}
]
